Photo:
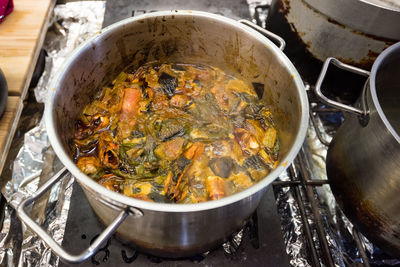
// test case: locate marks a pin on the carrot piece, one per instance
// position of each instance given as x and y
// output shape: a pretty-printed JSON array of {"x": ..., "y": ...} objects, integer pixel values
[
  {"x": 181, "y": 176},
  {"x": 129, "y": 110},
  {"x": 199, "y": 150},
  {"x": 130, "y": 106},
  {"x": 184, "y": 194},
  {"x": 215, "y": 187},
  {"x": 183, "y": 80},
  {"x": 88, "y": 165},
  {"x": 195, "y": 151},
  {"x": 167, "y": 182}
]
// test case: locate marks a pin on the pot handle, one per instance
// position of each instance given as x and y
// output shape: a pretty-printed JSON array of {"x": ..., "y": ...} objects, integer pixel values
[
  {"x": 55, "y": 247},
  {"x": 268, "y": 34},
  {"x": 334, "y": 103}
]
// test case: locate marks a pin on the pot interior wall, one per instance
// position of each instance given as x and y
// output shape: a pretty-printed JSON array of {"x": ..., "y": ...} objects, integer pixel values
[
  {"x": 179, "y": 38},
  {"x": 388, "y": 88}
]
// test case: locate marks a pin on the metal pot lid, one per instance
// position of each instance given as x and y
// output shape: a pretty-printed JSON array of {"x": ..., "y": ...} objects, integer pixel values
[{"x": 377, "y": 18}]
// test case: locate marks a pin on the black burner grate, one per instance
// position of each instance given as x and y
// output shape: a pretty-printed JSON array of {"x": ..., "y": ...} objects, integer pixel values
[{"x": 306, "y": 196}]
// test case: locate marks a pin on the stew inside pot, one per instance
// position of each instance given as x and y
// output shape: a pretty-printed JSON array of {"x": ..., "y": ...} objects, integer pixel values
[{"x": 176, "y": 133}]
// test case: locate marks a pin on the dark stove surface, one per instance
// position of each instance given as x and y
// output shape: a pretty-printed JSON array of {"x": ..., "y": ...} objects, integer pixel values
[{"x": 262, "y": 243}]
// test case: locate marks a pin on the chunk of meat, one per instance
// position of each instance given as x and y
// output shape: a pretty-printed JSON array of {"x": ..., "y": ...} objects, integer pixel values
[
  {"x": 160, "y": 101},
  {"x": 241, "y": 181},
  {"x": 222, "y": 97},
  {"x": 88, "y": 165},
  {"x": 171, "y": 149},
  {"x": 108, "y": 151},
  {"x": 248, "y": 143},
  {"x": 179, "y": 101},
  {"x": 255, "y": 128},
  {"x": 215, "y": 187}
]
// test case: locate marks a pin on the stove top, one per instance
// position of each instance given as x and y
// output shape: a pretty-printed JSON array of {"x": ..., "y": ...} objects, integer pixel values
[{"x": 297, "y": 222}]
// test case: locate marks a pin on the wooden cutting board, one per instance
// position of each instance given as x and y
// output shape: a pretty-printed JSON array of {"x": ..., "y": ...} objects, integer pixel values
[
  {"x": 8, "y": 117},
  {"x": 21, "y": 38}
]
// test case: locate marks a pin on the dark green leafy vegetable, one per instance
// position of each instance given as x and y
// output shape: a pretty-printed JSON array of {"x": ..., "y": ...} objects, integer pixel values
[
  {"x": 168, "y": 84},
  {"x": 222, "y": 167},
  {"x": 171, "y": 128},
  {"x": 259, "y": 88}
]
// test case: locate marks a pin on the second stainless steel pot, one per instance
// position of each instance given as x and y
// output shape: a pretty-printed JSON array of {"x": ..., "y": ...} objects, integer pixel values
[
  {"x": 172, "y": 230},
  {"x": 363, "y": 160},
  {"x": 353, "y": 31}
]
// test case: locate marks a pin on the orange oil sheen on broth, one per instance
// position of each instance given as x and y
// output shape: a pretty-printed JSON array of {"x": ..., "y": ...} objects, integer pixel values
[{"x": 176, "y": 133}]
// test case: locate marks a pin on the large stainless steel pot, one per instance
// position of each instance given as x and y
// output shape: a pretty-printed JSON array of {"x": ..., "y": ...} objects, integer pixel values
[
  {"x": 172, "y": 230},
  {"x": 363, "y": 160}
]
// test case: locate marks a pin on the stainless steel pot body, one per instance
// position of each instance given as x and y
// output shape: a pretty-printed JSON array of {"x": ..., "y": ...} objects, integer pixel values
[
  {"x": 176, "y": 230},
  {"x": 363, "y": 160}
]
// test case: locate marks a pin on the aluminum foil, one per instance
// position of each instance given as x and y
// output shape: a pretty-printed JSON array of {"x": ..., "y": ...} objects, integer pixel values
[
  {"x": 231, "y": 246},
  {"x": 292, "y": 226},
  {"x": 72, "y": 24},
  {"x": 261, "y": 8},
  {"x": 36, "y": 162}
]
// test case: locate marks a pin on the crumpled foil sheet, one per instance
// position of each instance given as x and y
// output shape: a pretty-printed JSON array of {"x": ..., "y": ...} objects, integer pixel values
[
  {"x": 292, "y": 226},
  {"x": 261, "y": 8},
  {"x": 231, "y": 246},
  {"x": 72, "y": 23},
  {"x": 36, "y": 161}
]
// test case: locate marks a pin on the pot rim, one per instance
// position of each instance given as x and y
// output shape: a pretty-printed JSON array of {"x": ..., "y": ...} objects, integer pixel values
[
  {"x": 375, "y": 100},
  {"x": 121, "y": 199}
]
